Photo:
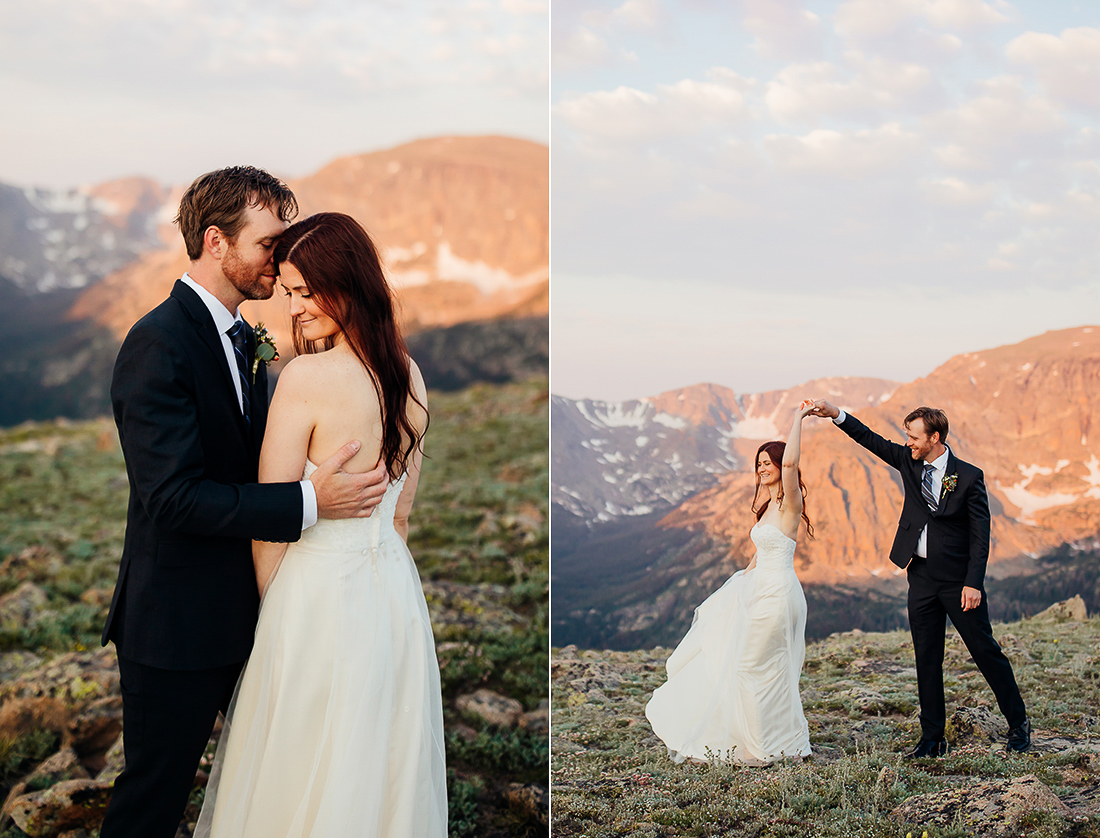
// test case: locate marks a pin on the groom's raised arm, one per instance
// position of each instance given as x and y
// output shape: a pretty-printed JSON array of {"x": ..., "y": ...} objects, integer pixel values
[
  {"x": 156, "y": 411},
  {"x": 891, "y": 453}
]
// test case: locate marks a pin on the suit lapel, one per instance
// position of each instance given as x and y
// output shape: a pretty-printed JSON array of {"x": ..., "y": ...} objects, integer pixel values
[{"x": 208, "y": 335}]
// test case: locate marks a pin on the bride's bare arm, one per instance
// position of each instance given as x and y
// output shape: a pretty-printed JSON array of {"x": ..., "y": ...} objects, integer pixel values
[
  {"x": 290, "y": 423},
  {"x": 792, "y": 494},
  {"x": 408, "y": 491}
]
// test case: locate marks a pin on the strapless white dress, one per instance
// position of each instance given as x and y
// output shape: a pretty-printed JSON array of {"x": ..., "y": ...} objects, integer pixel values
[
  {"x": 732, "y": 688},
  {"x": 336, "y": 728}
]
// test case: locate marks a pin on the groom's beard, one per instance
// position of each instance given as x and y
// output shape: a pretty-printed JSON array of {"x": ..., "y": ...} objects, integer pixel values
[{"x": 246, "y": 279}]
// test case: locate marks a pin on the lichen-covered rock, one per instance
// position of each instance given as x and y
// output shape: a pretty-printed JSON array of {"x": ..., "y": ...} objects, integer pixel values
[
  {"x": 97, "y": 726},
  {"x": 989, "y": 809},
  {"x": 1072, "y": 609},
  {"x": 19, "y": 608},
  {"x": 69, "y": 805},
  {"x": 64, "y": 765},
  {"x": 532, "y": 801},
  {"x": 73, "y": 677},
  {"x": 492, "y": 708},
  {"x": 455, "y": 607},
  {"x": 15, "y": 663},
  {"x": 537, "y": 720},
  {"x": 978, "y": 723},
  {"x": 113, "y": 763}
]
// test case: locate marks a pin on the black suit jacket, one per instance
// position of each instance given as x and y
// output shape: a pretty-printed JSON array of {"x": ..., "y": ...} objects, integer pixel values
[
  {"x": 958, "y": 531},
  {"x": 186, "y": 594}
]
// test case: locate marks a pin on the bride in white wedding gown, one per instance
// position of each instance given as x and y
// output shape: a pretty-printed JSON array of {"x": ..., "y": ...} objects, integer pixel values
[
  {"x": 336, "y": 729},
  {"x": 732, "y": 688}
]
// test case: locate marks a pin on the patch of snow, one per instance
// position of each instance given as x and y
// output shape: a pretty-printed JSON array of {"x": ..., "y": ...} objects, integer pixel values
[
  {"x": 753, "y": 428},
  {"x": 1029, "y": 502},
  {"x": 408, "y": 279},
  {"x": 406, "y": 254},
  {"x": 614, "y": 457},
  {"x": 670, "y": 421},
  {"x": 607, "y": 478},
  {"x": 614, "y": 415},
  {"x": 972, "y": 381},
  {"x": 1093, "y": 477},
  {"x": 1025, "y": 367},
  {"x": 641, "y": 441},
  {"x": 487, "y": 278}
]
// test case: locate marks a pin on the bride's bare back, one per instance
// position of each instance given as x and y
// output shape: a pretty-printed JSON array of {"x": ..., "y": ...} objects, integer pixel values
[{"x": 322, "y": 402}]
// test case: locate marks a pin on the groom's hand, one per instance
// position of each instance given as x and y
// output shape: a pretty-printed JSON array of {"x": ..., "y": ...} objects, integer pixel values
[
  {"x": 344, "y": 494},
  {"x": 971, "y": 598},
  {"x": 824, "y": 409}
]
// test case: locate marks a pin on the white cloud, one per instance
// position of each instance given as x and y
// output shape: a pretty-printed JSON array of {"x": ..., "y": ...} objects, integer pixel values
[
  {"x": 783, "y": 29},
  {"x": 1068, "y": 66},
  {"x": 979, "y": 131},
  {"x": 581, "y": 48},
  {"x": 952, "y": 191},
  {"x": 806, "y": 92},
  {"x": 673, "y": 109},
  {"x": 867, "y": 19},
  {"x": 633, "y": 14},
  {"x": 844, "y": 154}
]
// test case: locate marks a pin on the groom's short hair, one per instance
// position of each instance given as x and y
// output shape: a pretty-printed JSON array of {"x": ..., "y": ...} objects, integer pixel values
[
  {"x": 935, "y": 421},
  {"x": 219, "y": 199}
]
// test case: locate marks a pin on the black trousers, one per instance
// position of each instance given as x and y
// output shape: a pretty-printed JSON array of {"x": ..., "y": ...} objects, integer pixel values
[
  {"x": 167, "y": 717},
  {"x": 930, "y": 604}
]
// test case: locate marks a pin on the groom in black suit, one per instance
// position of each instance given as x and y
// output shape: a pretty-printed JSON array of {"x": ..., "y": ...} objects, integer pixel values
[
  {"x": 943, "y": 542},
  {"x": 191, "y": 406}
]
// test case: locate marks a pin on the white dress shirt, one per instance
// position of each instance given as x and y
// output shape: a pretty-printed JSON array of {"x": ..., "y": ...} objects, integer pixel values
[
  {"x": 939, "y": 469},
  {"x": 223, "y": 322}
]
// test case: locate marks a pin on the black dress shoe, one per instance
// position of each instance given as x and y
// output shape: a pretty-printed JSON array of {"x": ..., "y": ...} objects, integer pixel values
[
  {"x": 1019, "y": 738},
  {"x": 928, "y": 748}
]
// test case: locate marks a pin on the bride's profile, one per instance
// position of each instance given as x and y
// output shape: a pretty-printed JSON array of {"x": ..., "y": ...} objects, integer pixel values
[
  {"x": 731, "y": 692},
  {"x": 336, "y": 728}
]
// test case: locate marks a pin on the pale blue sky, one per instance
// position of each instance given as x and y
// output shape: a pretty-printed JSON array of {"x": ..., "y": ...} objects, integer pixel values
[
  {"x": 760, "y": 192},
  {"x": 97, "y": 89}
]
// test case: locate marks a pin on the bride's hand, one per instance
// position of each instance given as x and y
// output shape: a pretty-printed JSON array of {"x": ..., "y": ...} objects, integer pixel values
[{"x": 806, "y": 408}]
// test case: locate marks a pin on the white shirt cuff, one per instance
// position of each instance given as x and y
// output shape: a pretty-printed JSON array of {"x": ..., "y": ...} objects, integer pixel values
[
  {"x": 309, "y": 505},
  {"x": 840, "y": 417}
]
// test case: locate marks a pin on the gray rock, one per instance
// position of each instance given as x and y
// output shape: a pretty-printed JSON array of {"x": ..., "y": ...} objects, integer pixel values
[
  {"x": 537, "y": 720},
  {"x": 1072, "y": 609},
  {"x": 978, "y": 723},
  {"x": 69, "y": 805},
  {"x": 19, "y": 608},
  {"x": 115, "y": 761},
  {"x": 990, "y": 809},
  {"x": 531, "y": 801},
  {"x": 492, "y": 708}
]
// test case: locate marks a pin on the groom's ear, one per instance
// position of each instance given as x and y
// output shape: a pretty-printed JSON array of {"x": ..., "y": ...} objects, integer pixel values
[{"x": 214, "y": 241}]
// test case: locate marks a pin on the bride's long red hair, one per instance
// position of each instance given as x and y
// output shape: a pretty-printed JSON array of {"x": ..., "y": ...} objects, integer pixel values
[
  {"x": 340, "y": 265},
  {"x": 775, "y": 450}
]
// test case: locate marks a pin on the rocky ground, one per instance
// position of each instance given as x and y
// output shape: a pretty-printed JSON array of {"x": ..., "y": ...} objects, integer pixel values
[
  {"x": 478, "y": 534},
  {"x": 611, "y": 776}
]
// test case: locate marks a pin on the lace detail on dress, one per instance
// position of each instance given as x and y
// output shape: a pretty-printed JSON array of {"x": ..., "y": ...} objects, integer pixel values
[
  {"x": 350, "y": 534},
  {"x": 775, "y": 550}
]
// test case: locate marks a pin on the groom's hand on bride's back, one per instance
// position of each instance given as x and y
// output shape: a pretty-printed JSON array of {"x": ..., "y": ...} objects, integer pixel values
[{"x": 344, "y": 494}]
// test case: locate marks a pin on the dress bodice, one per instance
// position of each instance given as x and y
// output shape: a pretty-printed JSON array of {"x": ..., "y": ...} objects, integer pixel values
[
  {"x": 356, "y": 533},
  {"x": 774, "y": 549}
]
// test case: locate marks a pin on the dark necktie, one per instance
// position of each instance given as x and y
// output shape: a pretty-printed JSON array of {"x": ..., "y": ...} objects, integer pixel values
[
  {"x": 926, "y": 487},
  {"x": 239, "y": 340}
]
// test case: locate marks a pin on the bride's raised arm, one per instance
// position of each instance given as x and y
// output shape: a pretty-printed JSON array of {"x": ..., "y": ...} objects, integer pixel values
[
  {"x": 290, "y": 423},
  {"x": 792, "y": 493}
]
